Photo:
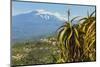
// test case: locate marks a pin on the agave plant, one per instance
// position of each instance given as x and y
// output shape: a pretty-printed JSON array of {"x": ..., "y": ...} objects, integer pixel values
[
  {"x": 77, "y": 42},
  {"x": 68, "y": 39},
  {"x": 89, "y": 28}
]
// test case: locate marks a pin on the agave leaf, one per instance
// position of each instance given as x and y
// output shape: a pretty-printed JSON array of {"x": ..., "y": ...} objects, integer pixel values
[
  {"x": 84, "y": 28},
  {"x": 92, "y": 34},
  {"x": 62, "y": 35},
  {"x": 59, "y": 33},
  {"x": 68, "y": 15},
  {"x": 77, "y": 41},
  {"x": 91, "y": 25},
  {"x": 92, "y": 13},
  {"x": 61, "y": 27},
  {"x": 85, "y": 18},
  {"x": 76, "y": 32},
  {"x": 70, "y": 34},
  {"x": 66, "y": 40},
  {"x": 87, "y": 49},
  {"x": 74, "y": 18}
]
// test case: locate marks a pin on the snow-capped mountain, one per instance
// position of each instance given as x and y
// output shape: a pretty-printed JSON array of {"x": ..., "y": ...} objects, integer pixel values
[{"x": 35, "y": 23}]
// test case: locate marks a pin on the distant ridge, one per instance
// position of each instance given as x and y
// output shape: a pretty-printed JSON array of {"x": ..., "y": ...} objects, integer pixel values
[{"x": 34, "y": 24}]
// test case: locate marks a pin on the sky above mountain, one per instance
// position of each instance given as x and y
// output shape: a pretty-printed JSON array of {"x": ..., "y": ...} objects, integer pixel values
[{"x": 56, "y": 9}]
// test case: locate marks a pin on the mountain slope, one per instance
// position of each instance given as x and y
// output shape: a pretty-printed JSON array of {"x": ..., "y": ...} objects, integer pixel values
[{"x": 34, "y": 24}]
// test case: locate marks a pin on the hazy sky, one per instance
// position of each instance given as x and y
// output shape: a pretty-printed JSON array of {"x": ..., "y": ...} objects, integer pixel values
[{"x": 76, "y": 10}]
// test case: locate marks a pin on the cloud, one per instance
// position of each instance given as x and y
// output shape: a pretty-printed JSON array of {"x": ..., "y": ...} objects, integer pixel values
[{"x": 58, "y": 15}]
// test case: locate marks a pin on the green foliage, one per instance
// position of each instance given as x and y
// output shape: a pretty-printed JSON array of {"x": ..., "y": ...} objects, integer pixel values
[
  {"x": 37, "y": 52},
  {"x": 77, "y": 42}
]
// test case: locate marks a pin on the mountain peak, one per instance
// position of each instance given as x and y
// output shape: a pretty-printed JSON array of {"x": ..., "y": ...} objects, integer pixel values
[
  {"x": 48, "y": 13},
  {"x": 40, "y": 10}
]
